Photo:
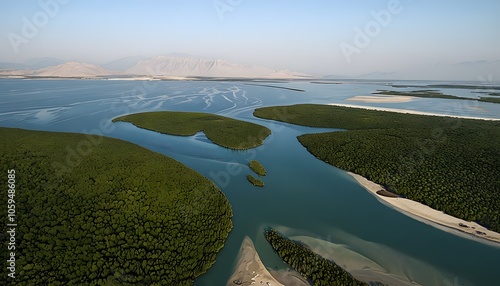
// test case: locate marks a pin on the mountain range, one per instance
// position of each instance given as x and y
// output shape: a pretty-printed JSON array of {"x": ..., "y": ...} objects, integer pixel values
[
  {"x": 160, "y": 66},
  {"x": 181, "y": 66}
]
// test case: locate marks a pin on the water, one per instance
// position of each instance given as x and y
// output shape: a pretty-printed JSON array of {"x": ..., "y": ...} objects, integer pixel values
[{"x": 302, "y": 196}]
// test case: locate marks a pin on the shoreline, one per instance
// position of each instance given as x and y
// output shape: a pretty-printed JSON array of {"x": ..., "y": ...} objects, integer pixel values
[
  {"x": 250, "y": 270},
  {"x": 426, "y": 214},
  {"x": 411, "y": 111},
  {"x": 381, "y": 98}
]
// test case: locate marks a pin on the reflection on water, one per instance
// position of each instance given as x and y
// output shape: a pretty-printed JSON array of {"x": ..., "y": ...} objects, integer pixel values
[{"x": 312, "y": 198}]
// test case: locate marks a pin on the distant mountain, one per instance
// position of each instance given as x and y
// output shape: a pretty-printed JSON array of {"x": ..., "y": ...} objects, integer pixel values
[
  {"x": 123, "y": 63},
  {"x": 182, "y": 66},
  {"x": 465, "y": 71},
  {"x": 377, "y": 75},
  {"x": 175, "y": 65},
  {"x": 482, "y": 71},
  {"x": 183, "y": 55},
  {"x": 11, "y": 66},
  {"x": 72, "y": 69}
]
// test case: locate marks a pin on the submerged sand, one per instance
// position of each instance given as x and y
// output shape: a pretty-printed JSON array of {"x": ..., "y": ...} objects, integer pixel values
[
  {"x": 429, "y": 215},
  {"x": 251, "y": 271},
  {"x": 359, "y": 266}
]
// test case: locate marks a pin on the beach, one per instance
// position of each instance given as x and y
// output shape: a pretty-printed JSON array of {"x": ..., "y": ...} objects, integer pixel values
[
  {"x": 429, "y": 215},
  {"x": 411, "y": 111},
  {"x": 420, "y": 211},
  {"x": 381, "y": 98},
  {"x": 251, "y": 271}
]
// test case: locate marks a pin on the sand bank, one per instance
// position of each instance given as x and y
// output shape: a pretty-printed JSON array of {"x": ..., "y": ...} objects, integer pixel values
[
  {"x": 359, "y": 266},
  {"x": 411, "y": 111},
  {"x": 251, "y": 271},
  {"x": 429, "y": 215},
  {"x": 381, "y": 98},
  {"x": 289, "y": 277}
]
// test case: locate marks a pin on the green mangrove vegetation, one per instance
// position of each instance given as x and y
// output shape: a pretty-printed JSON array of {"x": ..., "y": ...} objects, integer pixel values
[
  {"x": 449, "y": 164},
  {"x": 320, "y": 271},
  {"x": 489, "y": 93},
  {"x": 92, "y": 210},
  {"x": 254, "y": 181},
  {"x": 451, "y": 86},
  {"x": 420, "y": 93},
  {"x": 489, "y": 99},
  {"x": 223, "y": 131},
  {"x": 257, "y": 167},
  {"x": 434, "y": 94}
]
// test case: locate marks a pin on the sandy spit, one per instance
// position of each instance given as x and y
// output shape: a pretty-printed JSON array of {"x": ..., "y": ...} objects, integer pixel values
[
  {"x": 381, "y": 98},
  {"x": 431, "y": 216},
  {"x": 411, "y": 111},
  {"x": 251, "y": 271}
]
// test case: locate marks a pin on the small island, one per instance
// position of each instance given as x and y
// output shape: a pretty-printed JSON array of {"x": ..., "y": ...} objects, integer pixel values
[
  {"x": 256, "y": 182},
  {"x": 257, "y": 167},
  {"x": 223, "y": 131}
]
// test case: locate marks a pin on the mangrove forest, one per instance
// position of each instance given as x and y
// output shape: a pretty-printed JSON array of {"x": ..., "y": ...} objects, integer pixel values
[
  {"x": 92, "y": 210},
  {"x": 449, "y": 164},
  {"x": 223, "y": 131},
  {"x": 257, "y": 167}
]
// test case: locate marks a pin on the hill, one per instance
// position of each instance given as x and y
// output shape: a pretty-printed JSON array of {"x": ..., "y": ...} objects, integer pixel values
[
  {"x": 182, "y": 66},
  {"x": 72, "y": 69}
]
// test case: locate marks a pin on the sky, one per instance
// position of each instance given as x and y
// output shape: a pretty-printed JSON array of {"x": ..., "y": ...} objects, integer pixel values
[{"x": 331, "y": 37}]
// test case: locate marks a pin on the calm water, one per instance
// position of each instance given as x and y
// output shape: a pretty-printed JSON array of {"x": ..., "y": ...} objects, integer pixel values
[{"x": 303, "y": 196}]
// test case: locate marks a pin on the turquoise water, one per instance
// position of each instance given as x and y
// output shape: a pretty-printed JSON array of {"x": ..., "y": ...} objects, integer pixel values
[{"x": 302, "y": 196}]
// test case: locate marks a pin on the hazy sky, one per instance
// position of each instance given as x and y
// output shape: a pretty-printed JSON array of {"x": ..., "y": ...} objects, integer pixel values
[{"x": 316, "y": 37}]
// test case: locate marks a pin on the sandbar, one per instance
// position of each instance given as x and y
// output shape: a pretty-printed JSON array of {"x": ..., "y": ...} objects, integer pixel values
[
  {"x": 251, "y": 271},
  {"x": 359, "y": 266},
  {"x": 381, "y": 98},
  {"x": 411, "y": 111},
  {"x": 429, "y": 215}
]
